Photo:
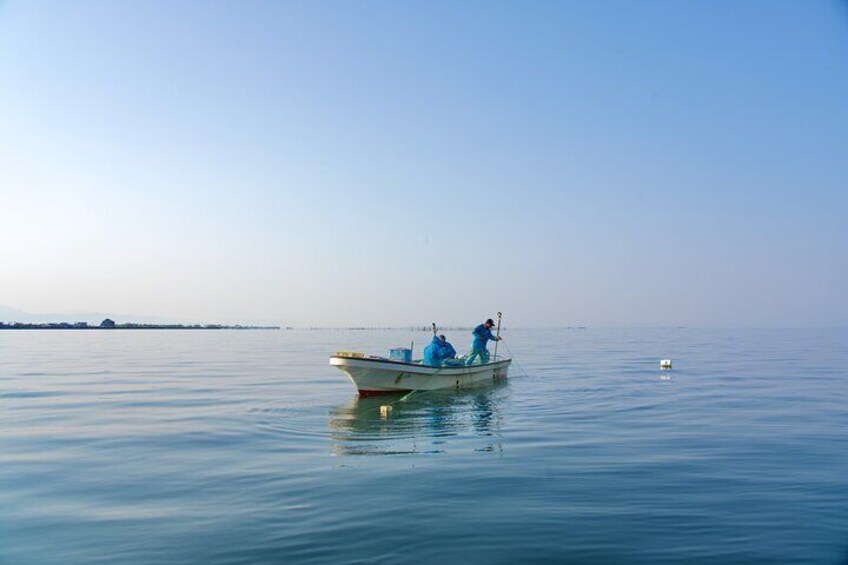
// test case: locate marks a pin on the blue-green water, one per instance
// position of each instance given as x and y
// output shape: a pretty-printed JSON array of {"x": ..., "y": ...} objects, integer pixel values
[{"x": 247, "y": 447}]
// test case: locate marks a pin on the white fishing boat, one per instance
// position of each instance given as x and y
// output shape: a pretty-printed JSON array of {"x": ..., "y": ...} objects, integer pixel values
[{"x": 378, "y": 375}]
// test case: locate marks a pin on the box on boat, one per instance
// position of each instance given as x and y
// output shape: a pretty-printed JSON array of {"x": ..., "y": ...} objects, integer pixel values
[{"x": 402, "y": 354}]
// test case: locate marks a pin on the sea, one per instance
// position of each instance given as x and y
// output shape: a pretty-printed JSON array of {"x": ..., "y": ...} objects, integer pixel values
[{"x": 246, "y": 446}]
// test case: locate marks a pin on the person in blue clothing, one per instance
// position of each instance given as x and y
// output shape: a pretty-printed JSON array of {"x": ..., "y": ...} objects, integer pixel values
[
  {"x": 448, "y": 352},
  {"x": 482, "y": 335},
  {"x": 438, "y": 350},
  {"x": 433, "y": 353}
]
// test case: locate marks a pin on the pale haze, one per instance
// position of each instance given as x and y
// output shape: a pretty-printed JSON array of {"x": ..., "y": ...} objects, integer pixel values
[{"x": 393, "y": 163}]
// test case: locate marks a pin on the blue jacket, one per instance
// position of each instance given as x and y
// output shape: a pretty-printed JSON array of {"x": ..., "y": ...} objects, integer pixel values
[
  {"x": 482, "y": 335},
  {"x": 437, "y": 352},
  {"x": 433, "y": 353}
]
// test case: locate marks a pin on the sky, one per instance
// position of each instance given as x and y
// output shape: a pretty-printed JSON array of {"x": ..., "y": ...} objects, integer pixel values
[{"x": 395, "y": 163}]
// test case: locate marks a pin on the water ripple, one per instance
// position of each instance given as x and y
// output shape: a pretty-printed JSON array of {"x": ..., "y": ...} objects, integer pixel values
[{"x": 233, "y": 447}]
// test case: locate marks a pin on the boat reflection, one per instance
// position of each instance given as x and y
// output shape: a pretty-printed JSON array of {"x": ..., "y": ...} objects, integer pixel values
[{"x": 424, "y": 422}]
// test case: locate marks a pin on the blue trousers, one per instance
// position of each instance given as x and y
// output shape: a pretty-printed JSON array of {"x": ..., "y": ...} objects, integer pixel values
[{"x": 481, "y": 353}]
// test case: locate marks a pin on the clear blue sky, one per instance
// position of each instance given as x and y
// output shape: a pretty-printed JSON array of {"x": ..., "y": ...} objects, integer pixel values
[{"x": 345, "y": 163}]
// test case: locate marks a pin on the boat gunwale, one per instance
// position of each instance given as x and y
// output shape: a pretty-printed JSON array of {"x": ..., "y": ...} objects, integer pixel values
[{"x": 423, "y": 369}]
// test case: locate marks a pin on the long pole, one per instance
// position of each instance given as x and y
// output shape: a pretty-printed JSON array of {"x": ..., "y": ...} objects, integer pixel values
[{"x": 498, "y": 334}]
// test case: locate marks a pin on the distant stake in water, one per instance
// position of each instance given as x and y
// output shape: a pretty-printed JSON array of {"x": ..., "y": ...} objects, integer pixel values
[
  {"x": 384, "y": 411},
  {"x": 665, "y": 364}
]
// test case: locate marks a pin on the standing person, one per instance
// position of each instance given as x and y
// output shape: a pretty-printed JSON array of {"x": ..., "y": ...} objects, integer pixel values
[{"x": 482, "y": 335}]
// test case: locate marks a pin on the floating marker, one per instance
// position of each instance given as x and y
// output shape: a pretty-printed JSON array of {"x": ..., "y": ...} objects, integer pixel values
[
  {"x": 665, "y": 364},
  {"x": 384, "y": 411}
]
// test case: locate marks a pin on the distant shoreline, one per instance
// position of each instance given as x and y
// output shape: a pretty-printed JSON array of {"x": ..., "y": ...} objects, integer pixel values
[
  {"x": 139, "y": 326},
  {"x": 86, "y": 326}
]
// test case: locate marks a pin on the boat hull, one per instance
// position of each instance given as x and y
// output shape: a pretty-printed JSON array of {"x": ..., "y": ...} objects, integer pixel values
[{"x": 383, "y": 376}]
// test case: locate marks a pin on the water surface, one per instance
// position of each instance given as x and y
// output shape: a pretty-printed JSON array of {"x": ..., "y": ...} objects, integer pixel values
[{"x": 246, "y": 446}]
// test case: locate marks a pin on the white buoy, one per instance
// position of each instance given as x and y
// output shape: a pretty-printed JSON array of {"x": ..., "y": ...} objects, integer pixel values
[
  {"x": 665, "y": 364},
  {"x": 384, "y": 411}
]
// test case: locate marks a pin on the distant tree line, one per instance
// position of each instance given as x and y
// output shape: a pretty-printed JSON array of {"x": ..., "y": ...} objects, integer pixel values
[{"x": 108, "y": 324}]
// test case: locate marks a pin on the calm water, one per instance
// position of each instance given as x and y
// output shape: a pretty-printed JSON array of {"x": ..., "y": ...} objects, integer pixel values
[{"x": 235, "y": 447}]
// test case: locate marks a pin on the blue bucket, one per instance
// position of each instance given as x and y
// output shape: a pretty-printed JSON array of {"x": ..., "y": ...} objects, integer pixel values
[{"x": 401, "y": 354}]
